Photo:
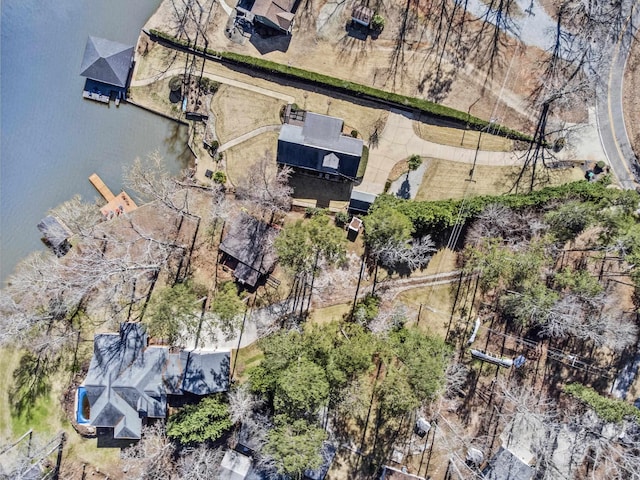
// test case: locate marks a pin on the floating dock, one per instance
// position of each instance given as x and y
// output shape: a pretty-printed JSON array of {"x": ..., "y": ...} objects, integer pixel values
[{"x": 116, "y": 204}]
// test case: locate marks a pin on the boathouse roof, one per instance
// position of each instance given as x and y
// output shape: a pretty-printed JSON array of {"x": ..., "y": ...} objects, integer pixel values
[{"x": 106, "y": 61}]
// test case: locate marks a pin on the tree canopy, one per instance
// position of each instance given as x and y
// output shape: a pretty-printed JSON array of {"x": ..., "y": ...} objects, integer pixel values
[{"x": 205, "y": 421}]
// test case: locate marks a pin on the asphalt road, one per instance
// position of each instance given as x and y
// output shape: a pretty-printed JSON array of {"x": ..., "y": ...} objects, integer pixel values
[{"x": 609, "y": 110}]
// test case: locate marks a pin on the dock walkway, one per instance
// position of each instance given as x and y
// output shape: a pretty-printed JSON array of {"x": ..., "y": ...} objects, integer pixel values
[
  {"x": 101, "y": 187},
  {"x": 122, "y": 203}
]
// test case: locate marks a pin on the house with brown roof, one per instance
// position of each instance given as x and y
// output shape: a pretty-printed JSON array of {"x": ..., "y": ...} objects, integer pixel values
[{"x": 275, "y": 14}]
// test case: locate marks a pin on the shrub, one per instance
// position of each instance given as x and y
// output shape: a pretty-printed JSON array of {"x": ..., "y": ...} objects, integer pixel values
[
  {"x": 608, "y": 409},
  {"x": 175, "y": 84},
  {"x": 313, "y": 211},
  {"x": 377, "y": 22},
  {"x": 208, "y": 85},
  {"x": 342, "y": 218},
  {"x": 354, "y": 133},
  {"x": 219, "y": 177},
  {"x": 367, "y": 308},
  {"x": 414, "y": 162}
]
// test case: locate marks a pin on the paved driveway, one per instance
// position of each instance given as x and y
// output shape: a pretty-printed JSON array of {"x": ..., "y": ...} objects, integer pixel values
[{"x": 398, "y": 141}]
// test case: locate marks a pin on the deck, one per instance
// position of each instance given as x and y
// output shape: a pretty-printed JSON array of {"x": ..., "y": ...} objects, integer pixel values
[
  {"x": 101, "y": 187},
  {"x": 98, "y": 97},
  {"x": 116, "y": 204}
]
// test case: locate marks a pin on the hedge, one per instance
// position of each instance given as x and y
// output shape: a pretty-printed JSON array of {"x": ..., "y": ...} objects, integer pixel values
[
  {"x": 357, "y": 89},
  {"x": 608, "y": 409},
  {"x": 434, "y": 217}
]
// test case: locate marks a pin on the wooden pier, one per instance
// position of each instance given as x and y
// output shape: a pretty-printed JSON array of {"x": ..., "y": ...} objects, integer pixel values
[
  {"x": 103, "y": 190},
  {"x": 116, "y": 204}
]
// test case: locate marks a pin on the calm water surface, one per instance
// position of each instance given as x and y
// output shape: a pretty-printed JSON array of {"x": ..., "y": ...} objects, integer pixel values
[{"x": 52, "y": 139}]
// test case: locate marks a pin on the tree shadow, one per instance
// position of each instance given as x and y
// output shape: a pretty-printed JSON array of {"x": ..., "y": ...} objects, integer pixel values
[{"x": 31, "y": 381}]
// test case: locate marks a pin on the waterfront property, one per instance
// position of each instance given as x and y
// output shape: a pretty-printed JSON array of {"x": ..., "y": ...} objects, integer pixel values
[
  {"x": 318, "y": 146},
  {"x": 276, "y": 15},
  {"x": 130, "y": 381},
  {"x": 107, "y": 67}
]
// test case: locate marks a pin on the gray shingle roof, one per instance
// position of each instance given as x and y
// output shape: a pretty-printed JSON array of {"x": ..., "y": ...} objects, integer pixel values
[
  {"x": 106, "y": 61},
  {"x": 249, "y": 242},
  {"x": 128, "y": 381},
  {"x": 308, "y": 146},
  {"x": 506, "y": 466}
]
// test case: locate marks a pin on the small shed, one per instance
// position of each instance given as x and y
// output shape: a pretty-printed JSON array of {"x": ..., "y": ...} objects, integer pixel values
[
  {"x": 360, "y": 202},
  {"x": 55, "y": 234},
  {"x": 234, "y": 466},
  {"x": 362, "y": 15},
  {"x": 247, "y": 249},
  {"x": 354, "y": 228}
]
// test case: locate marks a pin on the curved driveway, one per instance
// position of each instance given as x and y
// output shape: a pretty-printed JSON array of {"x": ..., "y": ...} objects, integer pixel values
[{"x": 609, "y": 110}]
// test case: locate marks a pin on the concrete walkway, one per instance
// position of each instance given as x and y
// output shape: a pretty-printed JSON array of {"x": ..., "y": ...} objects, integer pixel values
[
  {"x": 227, "y": 9},
  {"x": 398, "y": 141},
  {"x": 247, "y": 136},
  {"x": 138, "y": 82}
]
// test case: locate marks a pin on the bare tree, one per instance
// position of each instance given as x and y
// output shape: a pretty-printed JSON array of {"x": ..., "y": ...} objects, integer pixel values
[
  {"x": 200, "y": 463},
  {"x": 411, "y": 255},
  {"x": 79, "y": 216},
  {"x": 267, "y": 186},
  {"x": 151, "y": 457},
  {"x": 151, "y": 179},
  {"x": 243, "y": 404}
]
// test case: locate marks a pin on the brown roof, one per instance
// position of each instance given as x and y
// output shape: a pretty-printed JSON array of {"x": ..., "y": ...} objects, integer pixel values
[
  {"x": 278, "y": 11},
  {"x": 362, "y": 13}
]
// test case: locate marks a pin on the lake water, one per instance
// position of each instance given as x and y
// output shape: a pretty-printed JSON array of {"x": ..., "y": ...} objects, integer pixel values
[{"x": 53, "y": 139}]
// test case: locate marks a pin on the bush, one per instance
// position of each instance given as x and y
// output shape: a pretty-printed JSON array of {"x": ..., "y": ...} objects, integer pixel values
[
  {"x": 608, "y": 409},
  {"x": 208, "y": 85},
  {"x": 354, "y": 133},
  {"x": 377, "y": 22},
  {"x": 213, "y": 146},
  {"x": 367, "y": 308},
  {"x": 175, "y": 84},
  {"x": 219, "y": 177},
  {"x": 342, "y": 218},
  {"x": 414, "y": 162},
  {"x": 313, "y": 211}
]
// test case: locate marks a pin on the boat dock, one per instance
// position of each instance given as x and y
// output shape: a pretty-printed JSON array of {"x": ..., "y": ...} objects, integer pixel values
[
  {"x": 116, "y": 204},
  {"x": 98, "y": 97}
]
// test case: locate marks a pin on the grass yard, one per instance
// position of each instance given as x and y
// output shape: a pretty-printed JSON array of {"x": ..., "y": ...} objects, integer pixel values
[
  {"x": 239, "y": 111},
  {"x": 241, "y": 158},
  {"x": 321, "y": 316},
  {"x": 246, "y": 358},
  {"x": 156, "y": 96},
  {"x": 444, "y": 179},
  {"x": 462, "y": 138},
  {"x": 436, "y": 304}
]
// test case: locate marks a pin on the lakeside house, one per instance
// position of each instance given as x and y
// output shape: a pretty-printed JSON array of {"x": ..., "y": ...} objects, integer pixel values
[
  {"x": 319, "y": 147},
  {"x": 247, "y": 249},
  {"x": 130, "y": 381},
  {"x": 276, "y": 15},
  {"x": 107, "y": 66}
]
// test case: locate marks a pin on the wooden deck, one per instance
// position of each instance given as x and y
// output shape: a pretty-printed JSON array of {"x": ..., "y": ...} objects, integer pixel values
[
  {"x": 101, "y": 187},
  {"x": 116, "y": 204}
]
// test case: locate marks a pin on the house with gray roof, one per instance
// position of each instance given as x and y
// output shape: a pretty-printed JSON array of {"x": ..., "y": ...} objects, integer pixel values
[
  {"x": 247, "y": 249},
  {"x": 107, "y": 66},
  {"x": 55, "y": 234},
  {"x": 505, "y": 465},
  {"x": 130, "y": 381},
  {"x": 319, "y": 147}
]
